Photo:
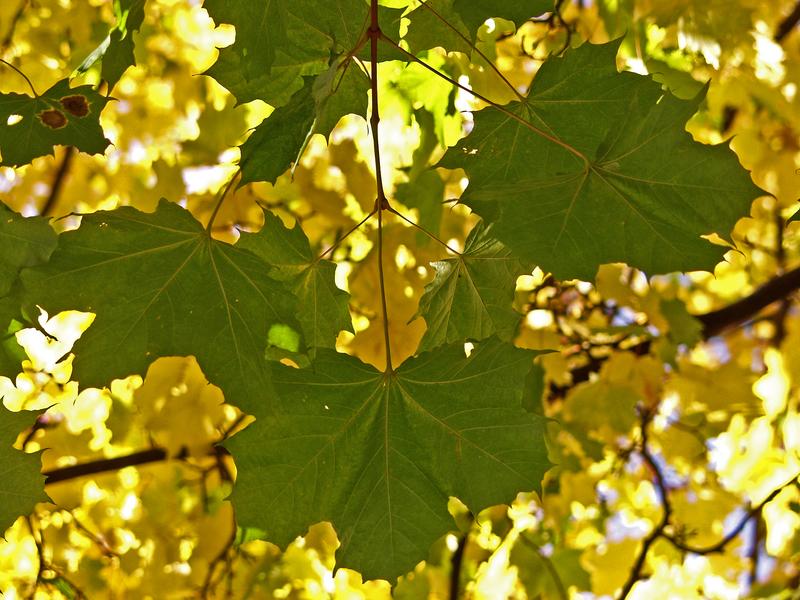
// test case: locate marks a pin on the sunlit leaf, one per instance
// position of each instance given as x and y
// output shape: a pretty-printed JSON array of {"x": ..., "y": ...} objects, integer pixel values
[{"x": 378, "y": 455}]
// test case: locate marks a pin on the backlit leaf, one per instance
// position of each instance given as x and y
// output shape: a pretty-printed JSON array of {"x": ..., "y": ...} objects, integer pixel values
[
  {"x": 31, "y": 127},
  {"x": 193, "y": 296},
  {"x": 379, "y": 455},
  {"x": 595, "y": 167}
]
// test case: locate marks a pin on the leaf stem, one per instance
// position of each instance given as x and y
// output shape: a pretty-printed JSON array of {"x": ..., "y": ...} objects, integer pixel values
[
  {"x": 25, "y": 77},
  {"x": 469, "y": 42},
  {"x": 345, "y": 236},
  {"x": 222, "y": 197},
  {"x": 425, "y": 231},
  {"x": 491, "y": 103},
  {"x": 381, "y": 202}
]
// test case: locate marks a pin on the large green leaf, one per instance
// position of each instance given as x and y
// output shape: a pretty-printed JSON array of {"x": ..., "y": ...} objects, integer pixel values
[
  {"x": 160, "y": 286},
  {"x": 595, "y": 167},
  {"x": 379, "y": 455},
  {"x": 471, "y": 295},
  {"x": 116, "y": 50},
  {"x": 61, "y": 116},
  {"x": 322, "y": 308},
  {"x": 21, "y": 480},
  {"x": 23, "y": 243},
  {"x": 281, "y": 41}
]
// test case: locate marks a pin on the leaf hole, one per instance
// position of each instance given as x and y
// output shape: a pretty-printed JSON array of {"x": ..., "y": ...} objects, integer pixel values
[{"x": 13, "y": 119}]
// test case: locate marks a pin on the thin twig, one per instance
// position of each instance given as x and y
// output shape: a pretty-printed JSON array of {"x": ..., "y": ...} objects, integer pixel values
[
  {"x": 785, "y": 27},
  {"x": 25, "y": 77},
  {"x": 472, "y": 46},
  {"x": 9, "y": 36},
  {"x": 456, "y": 561},
  {"x": 425, "y": 231},
  {"x": 345, "y": 236},
  {"x": 58, "y": 182},
  {"x": 381, "y": 202},
  {"x": 225, "y": 190}
]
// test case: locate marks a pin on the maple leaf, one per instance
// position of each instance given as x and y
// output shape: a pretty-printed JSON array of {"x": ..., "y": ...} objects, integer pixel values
[
  {"x": 193, "y": 296},
  {"x": 322, "y": 308},
  {"x": 471, "y": 295},
  {"x": 61, "y": 116},
  {"x": 116, "y": 50},
  {"x": 595, "y": 167},
  {"x": 280, "y": 42},
  {"x": 21, "y": 481},
  {"x": 453, "y": 24},
  {"x": 379, "y": 455},
  {"x": 23, "y": 243}
]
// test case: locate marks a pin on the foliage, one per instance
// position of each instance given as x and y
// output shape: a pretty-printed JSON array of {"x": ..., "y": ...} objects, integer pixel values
[{"x": 405, "y": 291}]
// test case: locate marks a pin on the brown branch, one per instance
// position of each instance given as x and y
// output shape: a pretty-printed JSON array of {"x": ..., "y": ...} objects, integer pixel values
[
  {"x": 660, "y": 530},
  {"x": 9, "y": 36},
  {"x": 778, "y": 288},
  {"x": 786, "y": 26},
  {"x": 58, "y": 183},
  {"x": 104, "y": 465},
  {"x": 456, "y": 561}
]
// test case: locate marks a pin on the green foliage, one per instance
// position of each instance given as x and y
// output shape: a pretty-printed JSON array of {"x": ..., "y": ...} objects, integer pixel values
[
  {"x": 23, "y": 243},
  {"x": 470, "y": 297},
  {"x": 61, "y": 116},
  {"x": 116, "y": 51},
  {"x": 378, "y": 454},
  {"x": 21, "y": 483},
  {"x": 584, "y": 153},
  {"x": 586, "y": 166},
  {"x": 194, "y": 295}
]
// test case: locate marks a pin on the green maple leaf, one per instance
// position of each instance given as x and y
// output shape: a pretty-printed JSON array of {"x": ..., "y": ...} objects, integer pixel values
[
  {"x": 21, "y": 480},
  {"x": 116, "y": 50},
  {"x": 379, "y": 455},
  {"x": 23, "y": 243},
  {"x": 281, "y": 41},
  {"x": 61, "y": 116},
  {"x": 322, "y": 307},
  {"x": 595, "y": 167},
  {"x": 471, "y": 295},
  {"x": 160, "y": 286},
  {"x": 453, "y": 24},
  {"x": 316, "y": 108}
]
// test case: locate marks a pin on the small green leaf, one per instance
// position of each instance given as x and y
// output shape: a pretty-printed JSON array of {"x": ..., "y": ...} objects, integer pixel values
[
  {"x": 379, "y": 455},
  {"x": 116, "y": 51},
  {"x": 276, "y": 142},
  {"x": 471, "y": 295},
  {"x": 23, "y": 243},
  {"x": 21, "y": 480},
  {"x": 31, "y": 127},
  {"x": 322, "y": 308}
]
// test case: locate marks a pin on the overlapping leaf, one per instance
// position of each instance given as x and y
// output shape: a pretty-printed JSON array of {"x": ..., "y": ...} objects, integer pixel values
[
  {"x": 595, "y": 167},
  {"x": 23, "y": 243},
  {"x": 21, "y": 481},
  {"x": 61, "y": 116},
  {"x": 453, "y": 24},
  {"x": 322, "y": 308},
  {"x": 280, "y": 42},
  {"x": 379, "y": 455},
  {"x": 116, "y": 51},
  {"x": 316, "y": 108},
  {"x": 471, "y": 295},
  {"x": 160, "y": 286}
]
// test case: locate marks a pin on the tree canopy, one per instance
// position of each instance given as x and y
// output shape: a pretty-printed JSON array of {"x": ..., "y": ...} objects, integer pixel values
[{"x": 399, "y": 298}]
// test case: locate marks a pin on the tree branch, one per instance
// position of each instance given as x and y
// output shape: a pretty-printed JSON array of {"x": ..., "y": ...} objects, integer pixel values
[
  {"x": 786, "y": 26},
  {"x": 778, "y": 288},
  {"x": 104, "y": 465},
  {"x": 58, "y": 183}
]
